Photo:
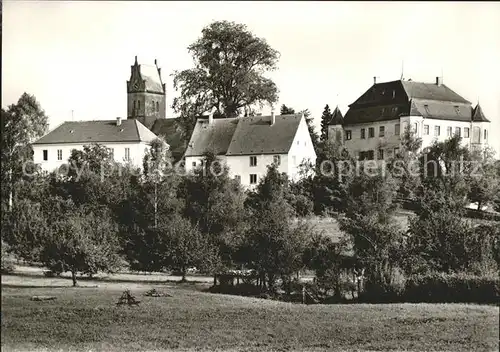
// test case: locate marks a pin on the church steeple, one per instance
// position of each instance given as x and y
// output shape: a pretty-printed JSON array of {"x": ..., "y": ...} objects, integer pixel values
[{"x": 146, "y": 94}]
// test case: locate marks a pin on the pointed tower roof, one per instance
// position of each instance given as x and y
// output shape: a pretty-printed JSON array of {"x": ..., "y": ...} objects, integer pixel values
[
  {"x": 337, "y": 117},
  {"x": 478, "y": 115}
]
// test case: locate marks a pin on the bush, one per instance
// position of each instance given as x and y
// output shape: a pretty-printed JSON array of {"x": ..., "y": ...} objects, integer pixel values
[
  {"x": 6, "y": 263},
  {"x": 389, "y": 287},
  {"x": 443, "y": 288}
]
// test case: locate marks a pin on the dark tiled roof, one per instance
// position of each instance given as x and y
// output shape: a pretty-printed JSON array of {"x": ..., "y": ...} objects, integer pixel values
[
  {"x": 98, "y": 131},
  {"x": 255, "y": 135},
  {"x": 409, "y": 97},
  {"x": 477, "y": 114},
  {"x": 244, "y": 135},
  {"x": 214, "y": 137},
  {"x": 441, "y": 110},
  {"x": 431, "y": 91},
  {"x": 375, "y": 113},
  {"x": 172, "y": 132},
  {"x": 337, "y": 117},
  {"x": 152, "y": 78}
]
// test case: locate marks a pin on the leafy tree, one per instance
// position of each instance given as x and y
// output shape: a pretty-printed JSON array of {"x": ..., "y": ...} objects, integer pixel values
[
  {"x": 85, "y": 241},
  {"x": 21, "y": 124},
  {"x": 215, "y": 204},
  {"x": 229, "y": 65},
  {"x": 185, "y": 246},
  {"x": 325, "y": 119},
  {"x": 484, "y": 178},
  {"x": 285, "y": 110},
  {"x": 274, "y": 246}
]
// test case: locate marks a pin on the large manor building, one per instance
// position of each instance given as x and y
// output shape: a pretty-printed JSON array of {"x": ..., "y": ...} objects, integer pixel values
[{"x": 373, "y": 125}]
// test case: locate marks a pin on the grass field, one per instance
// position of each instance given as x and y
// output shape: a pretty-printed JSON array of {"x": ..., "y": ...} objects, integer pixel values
[{"x": 86, "y": 318}]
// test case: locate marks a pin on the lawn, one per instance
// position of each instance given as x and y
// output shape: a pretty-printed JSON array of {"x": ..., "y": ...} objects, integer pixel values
[{"x": 86, "y": 318}]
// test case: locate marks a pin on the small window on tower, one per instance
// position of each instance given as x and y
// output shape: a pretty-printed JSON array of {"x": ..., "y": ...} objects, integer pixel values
[
  {"x": 157, "y": 107},
  {"x": 138, "y": 104}
]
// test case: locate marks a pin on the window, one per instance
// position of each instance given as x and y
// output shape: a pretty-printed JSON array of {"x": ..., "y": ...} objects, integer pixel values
[
  {"x": 253, "y": 161},
  {"x": 138, "y": 104},
  {"x": 396, "y": 151},
  {"x": 457, "y": 131},
  {"x": 348, "y": 134},
  {"x": 157, "y": 107},
  {"x": 426, "y": 130},
  {"x": 381, "y": 131},
  {"x": 134, "y": 104},
  {"x": 397, "y": 129},
  {"x": 393, "y": 94},
  {"x": 277, "y": 160},
  {"x": 371, "y": 155},
  {"x": 395, "y": 110},
  {"x": 457, "y": 110},
  {"x": 45, "y": 155},
  {"x": 476, "y": 134},
  {"x": 253, "y": 179},
  {"x": 449, "y": 131},
  {"x": 485, "y": 135},
  {"x": 415, "y": 128},
  {"x": 363, "y": 133},
  {"x": 371, "y": 132},
  {"x": 127, "y": 154},
  {"x": 193, "y": 163},
  {"x": 389, "y": 153},
  {"x": 466, "y": 132},
  {"x": 59, "y": 154},
  {"x": 298, "y": 142},
  {"x": 437, "y": 131},
  {"x": 366, "y": 155},
  {"x": 380, "y": 155},
  {"x": 237, "y": 178}
]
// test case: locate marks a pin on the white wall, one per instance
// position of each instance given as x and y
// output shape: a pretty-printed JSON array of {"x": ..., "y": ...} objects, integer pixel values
[
  {"x": 301, "y": 150},
  {"x": 137, "y": 151},
  {"x": 391, "y": 140}
]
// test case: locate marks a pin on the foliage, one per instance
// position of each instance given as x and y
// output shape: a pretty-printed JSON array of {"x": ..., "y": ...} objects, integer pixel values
[
  {"x": 484, "y": 177},
  {"x": 215, "y": 204},
  {"x": 229, "y": 65},
  {"x": 325, "y": 119},
  {"x": 21, "y": 124},
  {"x": 6, "y": 264},
  {"x": 452, "y": 288},
  {"x": 185, "y": 246},
  {"x": 440, "y": 240},
  {"x": 82, "y": 241}
]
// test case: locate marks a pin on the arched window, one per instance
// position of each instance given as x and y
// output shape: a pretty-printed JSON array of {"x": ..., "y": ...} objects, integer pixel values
[
  {"x": 138, "y": 104},
  {"x": 157, "y": 106}
]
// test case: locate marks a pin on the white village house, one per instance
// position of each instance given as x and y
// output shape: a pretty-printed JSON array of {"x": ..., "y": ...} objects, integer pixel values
[
  {"x": 127, "y": 140},
  {"x": 374, "y": 123},
  {"x": 247, "y": 145}
]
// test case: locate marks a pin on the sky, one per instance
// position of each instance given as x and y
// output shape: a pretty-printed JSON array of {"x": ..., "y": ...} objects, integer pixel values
[{"x": 76, "y": 55}]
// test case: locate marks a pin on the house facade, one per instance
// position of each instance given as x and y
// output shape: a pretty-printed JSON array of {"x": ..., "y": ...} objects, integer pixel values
[
  {"x": 127, "y": 140},
  {"x": 373, "y": 125},
  {"x": 247, "y": 145}
]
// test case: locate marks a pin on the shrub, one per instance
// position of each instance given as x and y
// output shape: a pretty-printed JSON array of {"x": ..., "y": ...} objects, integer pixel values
[
  {"x": 6, "y": 262},
  {"x": 442, "y": 288}
]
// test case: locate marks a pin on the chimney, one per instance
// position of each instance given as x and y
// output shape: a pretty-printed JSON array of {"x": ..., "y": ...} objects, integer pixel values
[
  {"x": 118, "y": 121},
  {"x": 374, "y": 80},
  {"x": 439, "y": 81},
  {"x": 273, "y": 117}
]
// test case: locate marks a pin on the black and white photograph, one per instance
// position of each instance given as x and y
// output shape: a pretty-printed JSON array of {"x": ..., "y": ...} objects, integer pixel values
[{"x": 250, "y": 176}]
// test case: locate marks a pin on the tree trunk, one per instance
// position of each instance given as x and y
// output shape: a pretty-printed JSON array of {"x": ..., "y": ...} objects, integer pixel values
[
  {"x": 73, "y": 277},
  {"x": 10, "y": 189},
  {"x": 183, "y": 279},
  {"x": 156, "y": 206}
]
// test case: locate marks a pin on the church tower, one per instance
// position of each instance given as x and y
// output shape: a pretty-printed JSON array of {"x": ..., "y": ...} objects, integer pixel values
[{"x": 146, "y": 94}]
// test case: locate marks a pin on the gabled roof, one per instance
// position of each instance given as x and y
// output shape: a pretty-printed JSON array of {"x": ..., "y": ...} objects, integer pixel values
[
  {"x": 98, "y": 131},
  {"x": 214, "y": 137},
  {"x": 255, "y": 135},
  {"x": 244, "y": 135},
  {"x": 337, "y": 117},
  {"x": 441, "y": 110},
  {"x": 151, "y": 76},
  {"x": 172, "y": 132},
  {"x": 477, "y": 114},
  {"x": 431, "y": 91}
]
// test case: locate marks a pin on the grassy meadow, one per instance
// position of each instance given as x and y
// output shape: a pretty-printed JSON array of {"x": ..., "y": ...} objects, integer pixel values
[{"x": 87, "y": 318}]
